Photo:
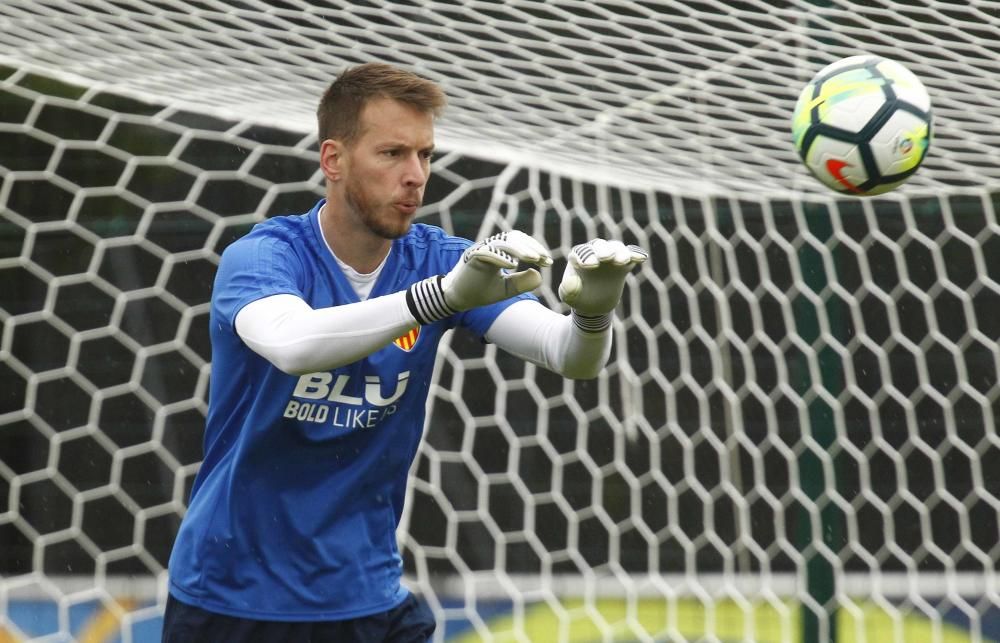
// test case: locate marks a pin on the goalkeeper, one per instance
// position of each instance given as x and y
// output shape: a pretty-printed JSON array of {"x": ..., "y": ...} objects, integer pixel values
[{"x": 324, "y": 328}]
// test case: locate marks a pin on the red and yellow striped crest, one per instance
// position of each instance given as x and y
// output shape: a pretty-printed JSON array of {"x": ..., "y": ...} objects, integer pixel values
[{"x": 407, "y": 341}]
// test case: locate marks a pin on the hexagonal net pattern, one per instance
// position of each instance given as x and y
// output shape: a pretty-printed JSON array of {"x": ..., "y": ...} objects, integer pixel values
[
  {"x": 691, "y": 96},
  {"x": 796, "y": 435}
]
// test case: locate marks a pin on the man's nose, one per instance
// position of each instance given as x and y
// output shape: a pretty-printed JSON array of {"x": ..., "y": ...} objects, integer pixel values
[{"x": 416, "y": 171}]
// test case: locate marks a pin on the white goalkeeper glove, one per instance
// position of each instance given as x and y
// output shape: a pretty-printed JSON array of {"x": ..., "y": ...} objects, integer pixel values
[
  {"x": 480, "y": 277},
  {"x": 594, "y": 280}
]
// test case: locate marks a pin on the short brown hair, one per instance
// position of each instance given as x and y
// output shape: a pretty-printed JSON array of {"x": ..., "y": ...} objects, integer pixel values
[{"x": 339, "y": 112}]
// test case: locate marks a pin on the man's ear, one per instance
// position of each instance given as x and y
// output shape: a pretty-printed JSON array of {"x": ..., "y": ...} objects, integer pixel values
[{"x": 331, "y": 159}]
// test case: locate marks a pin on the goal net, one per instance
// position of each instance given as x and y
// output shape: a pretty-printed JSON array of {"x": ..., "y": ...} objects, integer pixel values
[{"x": 795, "y": 438}]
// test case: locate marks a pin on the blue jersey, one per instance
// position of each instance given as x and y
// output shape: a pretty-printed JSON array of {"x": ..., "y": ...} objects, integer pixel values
[{"x": 294, "y": 511}]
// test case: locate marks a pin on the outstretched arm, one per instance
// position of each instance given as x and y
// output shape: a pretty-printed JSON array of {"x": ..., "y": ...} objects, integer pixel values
[
  {"x": 529, "y": 330},
  {"x": 576, "y": 345},
  {"x": 299, "y": 339}
]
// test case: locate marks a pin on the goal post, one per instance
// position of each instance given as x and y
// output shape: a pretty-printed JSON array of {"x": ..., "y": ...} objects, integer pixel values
[{"x": 795, "y": 438}]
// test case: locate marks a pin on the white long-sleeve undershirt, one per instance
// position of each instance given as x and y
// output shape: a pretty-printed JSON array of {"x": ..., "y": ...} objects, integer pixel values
[
  {"x": 529, "y": 330},
  {"x": 299, "y": 339}
]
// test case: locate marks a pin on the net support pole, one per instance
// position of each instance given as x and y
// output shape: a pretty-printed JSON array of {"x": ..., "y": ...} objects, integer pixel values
[
  {"x": 818, "y": 626},
  {"x": 814, "y": 538}
]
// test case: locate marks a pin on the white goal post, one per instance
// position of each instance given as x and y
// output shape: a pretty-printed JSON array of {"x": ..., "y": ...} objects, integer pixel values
[{"x": 795, "y": 438}]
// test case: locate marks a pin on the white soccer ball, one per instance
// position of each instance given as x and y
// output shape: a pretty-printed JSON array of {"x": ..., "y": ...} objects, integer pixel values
[{"x": 862, "y": 125}]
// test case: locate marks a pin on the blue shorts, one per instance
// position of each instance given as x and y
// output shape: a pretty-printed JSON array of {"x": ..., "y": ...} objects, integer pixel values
[{"x": 409, "y": 622}]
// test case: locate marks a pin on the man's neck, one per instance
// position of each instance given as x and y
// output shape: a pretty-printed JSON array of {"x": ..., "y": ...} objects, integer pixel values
[{"x": 359, "y": 249}]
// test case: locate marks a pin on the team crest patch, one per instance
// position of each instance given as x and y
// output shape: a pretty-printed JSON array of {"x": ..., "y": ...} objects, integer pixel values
[{"x": 407, "y": 341}]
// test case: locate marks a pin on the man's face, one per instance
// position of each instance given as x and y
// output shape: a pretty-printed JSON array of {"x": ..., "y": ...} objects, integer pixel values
[{"x": 387, "y": 167}]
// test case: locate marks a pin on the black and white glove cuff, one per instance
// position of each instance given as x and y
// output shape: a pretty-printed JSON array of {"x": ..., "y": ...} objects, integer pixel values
[
  {"x": 592, "y": 323},
  {"x": 426, "y": 302}
]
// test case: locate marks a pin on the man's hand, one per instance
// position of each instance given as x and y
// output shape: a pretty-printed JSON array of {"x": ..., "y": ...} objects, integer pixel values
[
  {"x": 481, "y": 277},
  {"x": 594, "y": 280}
]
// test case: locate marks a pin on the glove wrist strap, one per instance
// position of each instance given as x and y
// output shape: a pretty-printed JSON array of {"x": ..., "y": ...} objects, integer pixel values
[
  {"x": 592, "y": 323},
  {"x": 426, "y": 301}
]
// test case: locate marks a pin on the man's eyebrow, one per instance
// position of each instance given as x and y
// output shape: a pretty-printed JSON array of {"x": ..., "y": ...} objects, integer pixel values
[{"x": 399, "y": 143}]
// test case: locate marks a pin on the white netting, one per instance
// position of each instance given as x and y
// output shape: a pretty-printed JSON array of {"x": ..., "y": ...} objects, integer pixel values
[
  {"x": 691, "y": 96},
  {"x": 796, "y": 434}
]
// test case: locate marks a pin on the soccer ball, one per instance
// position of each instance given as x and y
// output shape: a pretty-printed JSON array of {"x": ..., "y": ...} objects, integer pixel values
[{"x": 862, "y": 125}]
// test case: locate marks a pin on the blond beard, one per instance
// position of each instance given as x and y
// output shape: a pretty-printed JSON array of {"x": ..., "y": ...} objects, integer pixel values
[{"x": 359, "y": 203}]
